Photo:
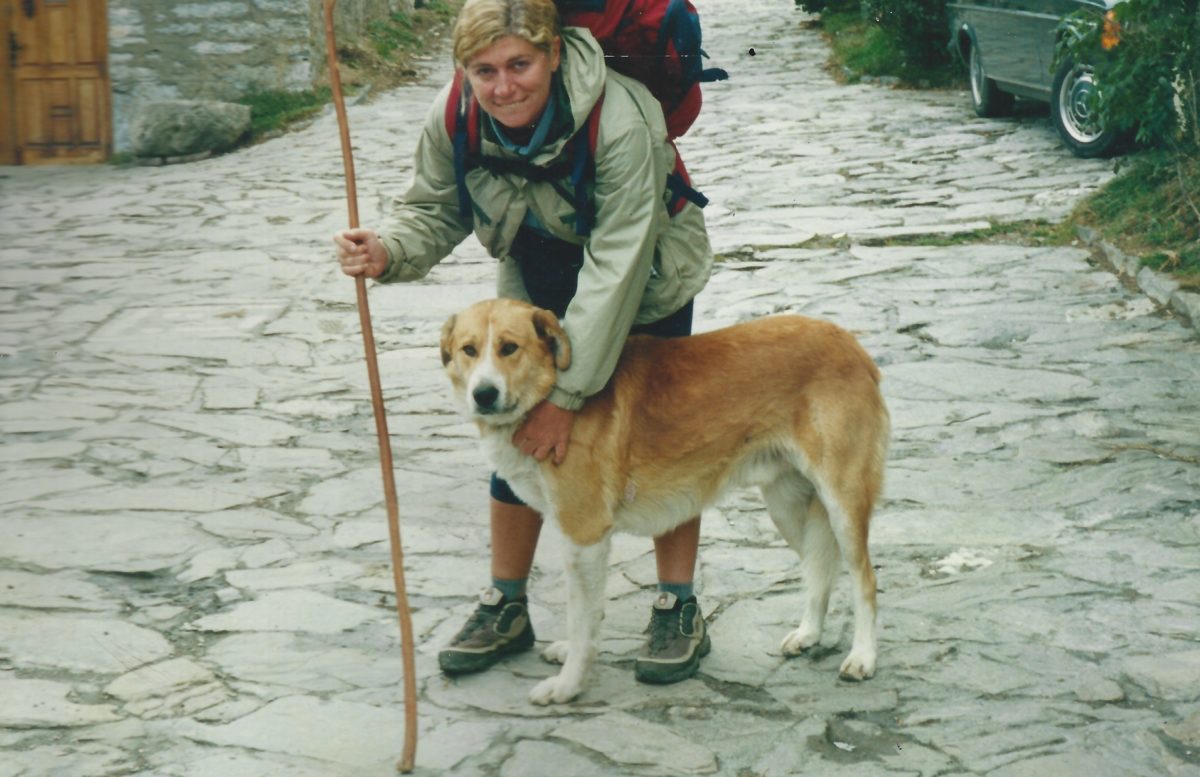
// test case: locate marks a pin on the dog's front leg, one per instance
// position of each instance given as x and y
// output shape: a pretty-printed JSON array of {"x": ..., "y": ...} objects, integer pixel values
[{"x": 586, "y": 570}]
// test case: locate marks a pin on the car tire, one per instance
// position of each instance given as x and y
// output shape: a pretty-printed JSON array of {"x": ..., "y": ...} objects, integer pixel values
[
  {"x": 986, "y": 98},
  {"x": 1077, "y": 123}
]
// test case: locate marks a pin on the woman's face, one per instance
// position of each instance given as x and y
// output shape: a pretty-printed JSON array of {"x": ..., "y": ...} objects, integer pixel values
[{"x": 511, "y": 80}]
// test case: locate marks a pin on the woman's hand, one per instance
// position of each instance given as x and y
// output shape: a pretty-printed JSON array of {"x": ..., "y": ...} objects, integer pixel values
[
  {"x": 547, "y": 430},
  {"x": 360, "y": 252}
]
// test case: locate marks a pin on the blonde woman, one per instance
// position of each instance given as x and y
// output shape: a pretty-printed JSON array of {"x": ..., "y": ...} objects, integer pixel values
[{"x": 634, "y": 267}]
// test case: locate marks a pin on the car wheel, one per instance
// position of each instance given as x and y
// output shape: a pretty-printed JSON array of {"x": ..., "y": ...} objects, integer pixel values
[
  {"x": 1075, "y": 117},
  {"x": 986, "y": 97}
]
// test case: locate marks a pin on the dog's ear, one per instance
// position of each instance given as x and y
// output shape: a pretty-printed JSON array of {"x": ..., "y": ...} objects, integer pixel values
[
  {"x": 547, "y": 327},
  {"x": 447, "y": 331}
]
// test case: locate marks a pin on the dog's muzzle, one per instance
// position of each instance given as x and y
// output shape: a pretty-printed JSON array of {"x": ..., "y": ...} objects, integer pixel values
[{"x": 485, "y": 396}]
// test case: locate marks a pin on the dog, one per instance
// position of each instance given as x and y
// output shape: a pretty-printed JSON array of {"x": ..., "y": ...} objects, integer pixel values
[{"x": 787, "y": 403}]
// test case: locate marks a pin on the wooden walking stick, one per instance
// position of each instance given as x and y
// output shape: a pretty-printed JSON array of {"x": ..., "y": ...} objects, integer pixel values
[{"x": 385, "y": 447}]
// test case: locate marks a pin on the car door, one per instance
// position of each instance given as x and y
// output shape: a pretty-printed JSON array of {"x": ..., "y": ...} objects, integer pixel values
[
  {"x": 1033, "y": 25},
  {"x": 992, "y": 26}
]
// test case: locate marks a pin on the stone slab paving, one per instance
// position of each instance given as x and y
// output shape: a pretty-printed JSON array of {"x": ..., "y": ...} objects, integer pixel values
[{"x": 194, "y": 573}]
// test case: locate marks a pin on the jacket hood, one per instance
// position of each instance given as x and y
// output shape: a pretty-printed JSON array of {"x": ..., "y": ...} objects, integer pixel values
[{"x": 583, "y": 71}]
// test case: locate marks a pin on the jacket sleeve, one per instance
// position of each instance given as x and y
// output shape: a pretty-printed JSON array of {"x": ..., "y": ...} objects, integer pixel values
[
  {"x": 617, "y": 261},
  {"x": 425, "y": 226}
]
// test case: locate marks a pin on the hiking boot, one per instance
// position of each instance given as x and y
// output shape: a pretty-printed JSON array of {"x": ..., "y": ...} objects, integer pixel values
[
  {"x": 678, "y": 639},
  {"x": 499, "y": 627}
]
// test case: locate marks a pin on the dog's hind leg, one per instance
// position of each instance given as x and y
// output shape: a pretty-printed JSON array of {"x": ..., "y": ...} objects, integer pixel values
[
  {"x": 851, "y": 537},
  {"x": 804, "y": 524},
  {"x": 586, "y": 571}
]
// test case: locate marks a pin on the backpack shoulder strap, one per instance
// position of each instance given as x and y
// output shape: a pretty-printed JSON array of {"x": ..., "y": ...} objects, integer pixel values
[
  {"x": 679, "y": 183},
  {"x": 453, "y": 103},
  {"x": 583, "y": 164},
  {"x": 462, "y": 125},
  {"x": 593, "y": 124},
  {"x": 583, "y": 169}
]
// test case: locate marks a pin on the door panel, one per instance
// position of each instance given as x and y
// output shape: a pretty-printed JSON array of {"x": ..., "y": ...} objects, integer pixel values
[
  {"x": 8, "y": 136},
  {"x": 89, "y": 101},
  {"x": 62, "y": 108},
  {"x": 995, "y": 33},
  {"x": 1037, "y": 24}
]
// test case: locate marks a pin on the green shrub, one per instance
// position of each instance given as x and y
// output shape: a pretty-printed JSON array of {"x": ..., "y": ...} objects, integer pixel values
[
  {"x": 272, "y": 109},
  {"x": 819, "y": 6},
  {"x": 1153, "y": 210},
  {"x": 863, "y": 45},
  {"x": 394, "y": 33},
  {"x": 1150, "y": 79},
  {"x": 919, "y": 27},
  {"x": 860, "y": 47},
  {"x": 401, "y": 31}
]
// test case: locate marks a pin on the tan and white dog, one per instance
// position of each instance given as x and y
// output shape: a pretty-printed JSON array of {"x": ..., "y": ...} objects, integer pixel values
[{"x": 787, "y": 403}]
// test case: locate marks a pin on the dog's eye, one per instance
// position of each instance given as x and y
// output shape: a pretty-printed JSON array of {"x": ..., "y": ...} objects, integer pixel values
[
  {"x": 469, "y": 350},
  {"x": 508, "y": 349}
]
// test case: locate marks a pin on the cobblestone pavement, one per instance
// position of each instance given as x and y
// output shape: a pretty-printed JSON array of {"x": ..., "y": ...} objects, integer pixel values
[{"x": 194, "y": 573}]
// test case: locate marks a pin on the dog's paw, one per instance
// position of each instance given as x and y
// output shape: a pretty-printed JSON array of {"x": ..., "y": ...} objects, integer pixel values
[
  {"x": 799, "y": 641},
  {"x": 556, "y": 652},
  {"x": 555, "y": 690},
  {"x": 858, "y": 666}
]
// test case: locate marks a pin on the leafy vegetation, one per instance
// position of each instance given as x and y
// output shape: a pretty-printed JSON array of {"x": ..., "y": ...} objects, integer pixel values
[
  {"x": 403, "y": 32},
  {"x": 887, "y": 38},
  {"x": 1150, "y": 74},
  {"x": 273, "y": 109},
  {"x": 1149, "y": 68},
  {"x": 919, "y": 29},
  {"x": 387, "y": 54},
  {"x": 861, "y": 49},
  {"x": 1152, "y": 210},
  {"x": 1027, "y": 233}
]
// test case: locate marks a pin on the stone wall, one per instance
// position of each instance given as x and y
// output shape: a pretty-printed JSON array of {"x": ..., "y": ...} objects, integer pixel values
[{"x": 220, "y": 49}]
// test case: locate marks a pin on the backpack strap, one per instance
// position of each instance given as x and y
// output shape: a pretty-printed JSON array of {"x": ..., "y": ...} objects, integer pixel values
[
  {"x": 462, "y": 124},
  {"x": 463, "y": 127},
  {"x": 584, "y": 169},
  {"x": 679, "y": 183}
]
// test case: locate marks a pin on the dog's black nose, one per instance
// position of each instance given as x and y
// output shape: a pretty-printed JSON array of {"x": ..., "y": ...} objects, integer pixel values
[{"x": 486, "y": 396}]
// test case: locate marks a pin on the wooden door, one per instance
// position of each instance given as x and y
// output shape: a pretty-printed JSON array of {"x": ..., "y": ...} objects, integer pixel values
[
  {"x": 58, "y": 68},
  {"x": 8, "y": 146}
]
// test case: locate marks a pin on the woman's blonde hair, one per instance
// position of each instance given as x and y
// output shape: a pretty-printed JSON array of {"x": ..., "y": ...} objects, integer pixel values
[{"x": 483, "y": 22}]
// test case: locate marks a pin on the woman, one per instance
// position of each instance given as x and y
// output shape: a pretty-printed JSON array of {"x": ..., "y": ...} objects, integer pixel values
[{"x": 636, "y": 270}]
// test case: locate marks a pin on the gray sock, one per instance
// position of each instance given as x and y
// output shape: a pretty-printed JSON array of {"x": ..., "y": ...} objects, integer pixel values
[
  {"x": 512, "y": 589},
  {"x": 683, "y": 590}
]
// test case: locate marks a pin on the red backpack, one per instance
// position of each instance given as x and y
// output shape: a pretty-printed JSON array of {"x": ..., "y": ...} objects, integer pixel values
[{"x": 656, "y": 42}]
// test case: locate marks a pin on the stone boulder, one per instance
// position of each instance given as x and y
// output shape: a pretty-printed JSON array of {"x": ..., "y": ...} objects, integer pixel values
[{"x": 176, "y": 128}]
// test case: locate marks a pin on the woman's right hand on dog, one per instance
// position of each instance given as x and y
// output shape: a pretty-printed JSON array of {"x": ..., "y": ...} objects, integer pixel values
[
  {"x": 546, "y": 432},
  {"x": 360, "y": 252}
]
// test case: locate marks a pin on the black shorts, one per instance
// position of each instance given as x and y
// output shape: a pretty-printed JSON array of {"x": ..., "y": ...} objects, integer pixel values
[{"x": 550, "y": 270}]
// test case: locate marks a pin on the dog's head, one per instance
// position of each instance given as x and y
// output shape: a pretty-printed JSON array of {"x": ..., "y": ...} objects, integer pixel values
[{"x": 503, "y": 357}]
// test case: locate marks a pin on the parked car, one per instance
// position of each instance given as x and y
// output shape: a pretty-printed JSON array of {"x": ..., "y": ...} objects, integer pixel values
[{"x": 1009, "y": 49}]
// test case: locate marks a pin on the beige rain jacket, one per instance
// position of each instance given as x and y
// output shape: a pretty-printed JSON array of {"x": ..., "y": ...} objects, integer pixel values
[{"x": 640, "y": 264}]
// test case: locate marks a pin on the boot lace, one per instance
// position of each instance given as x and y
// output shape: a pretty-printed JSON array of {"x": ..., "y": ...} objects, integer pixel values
[
  {"x": 663, "y": 627},
  {"x": 479, "y": 619}
]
